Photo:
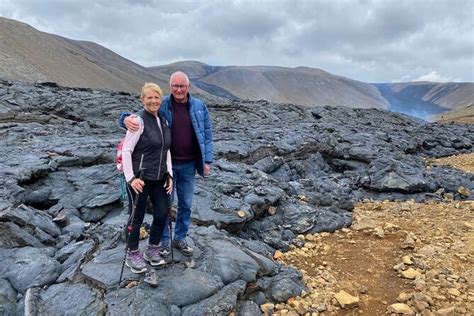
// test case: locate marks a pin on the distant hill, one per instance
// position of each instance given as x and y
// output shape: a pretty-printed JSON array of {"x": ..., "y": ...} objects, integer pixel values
[
  {"x": 310, "y": 86},
  {"x": 302, "y": 85},
  {"x": 30, "y": 55},
  {"x": 461, "y": 115},
  {"x": 425, "y": 99},
  {"x": 194, "y": 69},
  {"x": 449, "y": 95}
]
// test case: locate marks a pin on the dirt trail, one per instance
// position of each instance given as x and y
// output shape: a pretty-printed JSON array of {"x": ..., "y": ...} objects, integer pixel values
[{"x": 397, "y": 257}]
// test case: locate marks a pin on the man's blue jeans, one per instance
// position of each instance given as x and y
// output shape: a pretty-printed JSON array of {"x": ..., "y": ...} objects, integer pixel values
[{"x": 183, "y": 182}]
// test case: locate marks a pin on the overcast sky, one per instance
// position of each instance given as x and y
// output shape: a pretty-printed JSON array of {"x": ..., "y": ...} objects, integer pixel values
[{"x": 367, "y": 40}]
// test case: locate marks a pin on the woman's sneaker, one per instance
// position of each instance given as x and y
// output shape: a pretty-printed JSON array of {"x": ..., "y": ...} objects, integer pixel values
[
  {"x": 183, "y": 247},
  {"x": 152, "y": 255},
  {"x": 135, "y": 261}
]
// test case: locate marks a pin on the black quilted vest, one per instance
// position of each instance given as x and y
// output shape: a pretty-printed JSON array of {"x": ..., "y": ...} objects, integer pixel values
[{"x": 152, "y": 146}]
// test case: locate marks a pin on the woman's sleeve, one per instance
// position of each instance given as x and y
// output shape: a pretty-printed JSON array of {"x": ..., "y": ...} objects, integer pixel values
[{"x": 131, "y": 140}]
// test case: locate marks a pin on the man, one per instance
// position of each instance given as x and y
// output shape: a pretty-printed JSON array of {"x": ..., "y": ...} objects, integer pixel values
[{"x": 191, "y": 151}]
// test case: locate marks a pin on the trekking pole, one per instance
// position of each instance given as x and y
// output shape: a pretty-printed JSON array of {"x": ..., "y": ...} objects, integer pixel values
[
  {"x": 130, "y": 220},
  {"x": 170, "y": 224}
]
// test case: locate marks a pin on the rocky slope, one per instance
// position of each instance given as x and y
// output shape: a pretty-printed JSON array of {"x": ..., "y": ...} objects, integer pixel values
[
  {"x": 460, "y": 115},
  {"x": 450, "y": 95},
  {"x": 302, "y": 85},
  {"x": 397, "y": 257},
  {"x": 281, "y": 170},
  {"x": 30, "y": 55},
  {"x": 315, "y": 87},
  {"x": 427, "y": 99}
]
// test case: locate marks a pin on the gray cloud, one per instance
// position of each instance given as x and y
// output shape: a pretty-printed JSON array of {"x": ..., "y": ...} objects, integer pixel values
[{"x": 368, "y": 40}]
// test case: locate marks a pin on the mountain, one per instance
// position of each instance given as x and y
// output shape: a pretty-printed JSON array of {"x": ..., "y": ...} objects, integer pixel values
[
  {"x": 310, "y": 86},
  {"x": 31, "y": 55},
  {"x": 302, "y": 85},
  {"x": 194, "y": 69},
  {"x": 464, "y": 114},
  {"x": 448, "y": 95},
  {"x": 427, "y": 98}
]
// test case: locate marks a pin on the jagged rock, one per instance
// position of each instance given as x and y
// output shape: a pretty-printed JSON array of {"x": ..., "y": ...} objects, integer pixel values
[
  {"x": 104, "y": 269},
  {"x": 12, "y": 236},
  {"x": 298, "y": 218},
  {"x": 400, "y": 308},
  {"x": 7, "y": 298},
  {"x": 26, "y": 216},
  {"x": 285, "y": 284},
  {"x": 247, "y": 308},
  {"x": 176, "y": 286},
  {"x": 446, "y": 311},
  {"x": 464, "y": 191},
  {"x": 427, "y": 250},
  {"x": 74, "y": 259},
  {"x": 404, "y": 297},
  {"x": 346, "y": 300},
  {"x": 364, "y": 222},
  {"x": 454, "y": 292},
  {"x": 61, "y": 219},
  {"x": 75, "y": 227},
  {"x": 75, "y": 299},
  {"x": 307, "y": 165},
  {"x": 410, "y": 274},
  {"x": 407, "y": 260},
  {"x": 28, "y": 267},
  {"x": 223, "y": 302},
  {"x": 403, "y": 174},
  {"x": 269, "y": 164},
  {"x": 140, "y": 301},
  {"x": 229, "y": 260},
  {"x": 267, "y": 308}
]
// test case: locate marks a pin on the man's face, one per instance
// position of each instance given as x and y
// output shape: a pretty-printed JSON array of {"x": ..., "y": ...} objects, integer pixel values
[{"x": 179, "y": 88}]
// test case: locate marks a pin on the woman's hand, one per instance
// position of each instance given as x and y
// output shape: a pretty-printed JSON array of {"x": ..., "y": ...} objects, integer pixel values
[
  {"x": 131, "y": 123},
  {"x": 137, "y": 185},
  {"x": 169, "y": 185}
]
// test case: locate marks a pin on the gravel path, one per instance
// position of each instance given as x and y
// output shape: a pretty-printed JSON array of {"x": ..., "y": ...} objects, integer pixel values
[{"x": 397, "y": 257}]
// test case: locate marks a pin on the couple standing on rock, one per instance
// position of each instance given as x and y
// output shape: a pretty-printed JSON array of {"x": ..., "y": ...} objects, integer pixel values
[{"x": 171, "y": 139}]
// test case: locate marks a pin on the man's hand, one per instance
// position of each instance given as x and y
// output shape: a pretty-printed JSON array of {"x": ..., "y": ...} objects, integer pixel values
[
  {"x": 131, "y": 123},
  {"x": 207, "y": 168}
]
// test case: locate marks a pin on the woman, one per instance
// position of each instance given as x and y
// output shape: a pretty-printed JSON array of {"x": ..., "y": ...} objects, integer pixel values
[{"x": 148, "y": 150}]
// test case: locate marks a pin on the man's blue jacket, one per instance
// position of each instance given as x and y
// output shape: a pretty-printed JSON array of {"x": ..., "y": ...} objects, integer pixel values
[{"x": 202, "y": 126}]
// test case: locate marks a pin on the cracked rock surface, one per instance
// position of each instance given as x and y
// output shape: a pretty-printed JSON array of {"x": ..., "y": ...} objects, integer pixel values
[{"x": 281, "y": 170}]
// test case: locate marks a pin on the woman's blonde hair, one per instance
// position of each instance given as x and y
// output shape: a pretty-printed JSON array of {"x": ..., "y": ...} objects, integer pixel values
[{"x": 152, "y": 86}]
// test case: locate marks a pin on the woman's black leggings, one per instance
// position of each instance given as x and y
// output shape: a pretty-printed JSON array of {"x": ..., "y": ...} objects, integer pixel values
[{"x": 159, "y": 199}]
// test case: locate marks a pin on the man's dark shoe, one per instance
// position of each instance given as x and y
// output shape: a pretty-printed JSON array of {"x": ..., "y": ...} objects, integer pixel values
[
  {"x": 164, "y": 248},
  {"x": 183, "y": 247}
]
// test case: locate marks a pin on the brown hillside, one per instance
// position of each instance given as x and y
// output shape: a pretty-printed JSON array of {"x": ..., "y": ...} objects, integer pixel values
[
  {"x": 397, "y": 258},
  {"x": 30, "y": 55},
  {"x": 449, "y": 95},
  {"x": 461, "y": 115},
  {"x": 302, "y": 85},
  {"x": 194, "y": 69}
]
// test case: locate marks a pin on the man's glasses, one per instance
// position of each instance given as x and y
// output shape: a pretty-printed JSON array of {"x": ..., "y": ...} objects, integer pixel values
[{"x": 179, "y": 86}]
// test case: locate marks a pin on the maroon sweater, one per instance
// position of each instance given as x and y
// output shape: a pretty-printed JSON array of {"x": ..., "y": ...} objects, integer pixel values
[{"x": 184, "y": 145}]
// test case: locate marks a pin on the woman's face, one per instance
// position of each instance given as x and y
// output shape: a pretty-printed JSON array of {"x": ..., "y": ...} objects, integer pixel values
[{"x": 151, "y": 100}]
